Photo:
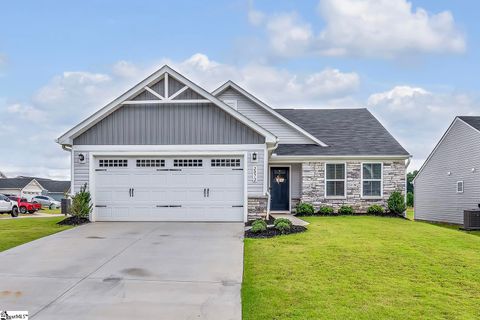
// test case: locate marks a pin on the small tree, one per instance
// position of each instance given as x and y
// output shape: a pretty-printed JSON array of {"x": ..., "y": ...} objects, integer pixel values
[
  {"x": 396, "y": 203},
  {"x": 81, "y": 203},
  {"x": 409, "y": 199}
]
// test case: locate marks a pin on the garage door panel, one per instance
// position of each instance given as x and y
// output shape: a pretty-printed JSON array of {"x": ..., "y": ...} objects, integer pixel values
[{"x": 169, "y": 193}]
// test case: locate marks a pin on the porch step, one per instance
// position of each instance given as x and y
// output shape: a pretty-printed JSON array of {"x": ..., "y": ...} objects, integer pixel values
[{"x": 295, "y": 221}]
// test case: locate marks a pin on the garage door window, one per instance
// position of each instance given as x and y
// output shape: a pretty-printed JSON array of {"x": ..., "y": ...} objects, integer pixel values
[
  {"x": 187, "y": 163},
  {"x": 225, "y": 163},
  {"x": 112, "y": 163},
  {"x": 150, "y": 163}
]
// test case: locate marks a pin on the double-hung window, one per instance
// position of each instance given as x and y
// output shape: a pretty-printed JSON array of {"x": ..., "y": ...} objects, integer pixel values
[
  {"x": 372, "y": 180},
  {"x": 335, "y": 180}
]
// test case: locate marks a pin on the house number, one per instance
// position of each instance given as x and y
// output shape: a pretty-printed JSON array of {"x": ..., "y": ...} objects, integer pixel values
[{"x": 254, "y": 174}]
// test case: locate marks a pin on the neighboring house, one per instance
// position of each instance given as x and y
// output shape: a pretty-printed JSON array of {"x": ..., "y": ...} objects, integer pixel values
[
  {"x": 168, "y": 150},
  {"x": 23, "y": 187},
  {"x": 53, "y": 188},
  {"x": 449, "y": 180}
]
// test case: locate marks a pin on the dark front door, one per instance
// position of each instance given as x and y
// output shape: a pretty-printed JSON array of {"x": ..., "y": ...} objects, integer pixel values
[{"x": 279, "y": 189}]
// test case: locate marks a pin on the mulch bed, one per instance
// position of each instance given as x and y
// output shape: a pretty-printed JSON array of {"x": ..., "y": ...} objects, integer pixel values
[
  {"x": 73, "y": 221},
  {"x": 270, "y": 221},
  {"x": 272, "y": 232}
]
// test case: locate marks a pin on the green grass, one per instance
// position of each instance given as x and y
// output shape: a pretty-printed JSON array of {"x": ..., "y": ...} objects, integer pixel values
[
  {"x": 363, "y": 267},
  {"x": 410, "y": 213},
  {"x": 50, "y": 211},
  {"x": 14, "y": 232}
]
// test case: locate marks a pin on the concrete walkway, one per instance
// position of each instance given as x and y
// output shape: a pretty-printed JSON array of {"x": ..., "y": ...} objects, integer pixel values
[
  {"x": 295, "y": 221},
  {"x": 127, "y": 270}
]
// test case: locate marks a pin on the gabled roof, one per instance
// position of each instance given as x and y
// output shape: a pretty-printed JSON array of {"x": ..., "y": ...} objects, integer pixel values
[
  {"x": 56, "y": 186},
  {"x": 251, "y": 97},
  {"x": 16, "y": 183},
  {"x": 165, "y": 72},
  {"x": 348, "y": 132},
  {"x": 472, "y": 121}
]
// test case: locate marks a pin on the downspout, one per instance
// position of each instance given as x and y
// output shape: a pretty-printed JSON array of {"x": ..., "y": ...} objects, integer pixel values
[
  {"x": 406, "y": 182},
  {"x": 275, "y": 146},
  {"x": 67, "y": 147}
]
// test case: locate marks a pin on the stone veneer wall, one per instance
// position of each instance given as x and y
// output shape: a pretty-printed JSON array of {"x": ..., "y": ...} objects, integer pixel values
[
  {"x": 257, "y": 207},
  {"x": 313, "y": 184}
]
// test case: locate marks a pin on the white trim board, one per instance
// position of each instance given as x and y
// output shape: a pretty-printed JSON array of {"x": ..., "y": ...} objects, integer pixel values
[
  {"x": 164, "y": 72},
  {"x": 251, "y": 97},
  {"x": 171, "y": 148}
]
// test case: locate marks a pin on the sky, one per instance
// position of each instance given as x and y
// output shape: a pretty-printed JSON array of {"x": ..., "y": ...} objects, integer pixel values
[{"x": 414, "y": 64}]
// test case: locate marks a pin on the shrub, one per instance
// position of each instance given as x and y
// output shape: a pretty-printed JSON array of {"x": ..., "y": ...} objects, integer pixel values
[
  {"x": 347, "y": 210},
  {"x": 305, "y": 209},
  {"x": 326, "y": 211},
  {"x": 376, "y": 210},
  {"x": 283, "y": 226},
  {"x": 410, "y": 199},
  {"x": 259, "y": 226},
  {"x": 282, "y": 220},
  {"x": 396, "y": 203},
  {"x": 81, "y": 203}
]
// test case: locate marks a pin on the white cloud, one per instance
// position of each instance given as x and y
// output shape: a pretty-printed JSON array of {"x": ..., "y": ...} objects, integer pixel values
[
  {"x": 279, "y": 87},
  {"x": 371, "y": 28},
  {"x": 418, "y": 117},
  {"x": 68, "y": 98}
]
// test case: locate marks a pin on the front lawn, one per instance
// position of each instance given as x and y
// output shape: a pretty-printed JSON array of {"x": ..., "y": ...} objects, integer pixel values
[
  {"x": 50, "y": 211},
  {"x": 14, "y": 232},
  {"x": 363, "y": 267}
]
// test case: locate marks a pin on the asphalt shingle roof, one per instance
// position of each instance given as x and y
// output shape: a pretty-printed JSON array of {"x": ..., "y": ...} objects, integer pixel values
[
  {"x": 345, "y": 131},
  {"x": 14, "y": 183},
  {"x": 21, "y": 182},
  {"x": 472, "y": 120}
]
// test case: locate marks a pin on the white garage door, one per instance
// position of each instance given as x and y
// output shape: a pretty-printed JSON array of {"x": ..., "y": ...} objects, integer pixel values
[{"x": 169, "y": 189}]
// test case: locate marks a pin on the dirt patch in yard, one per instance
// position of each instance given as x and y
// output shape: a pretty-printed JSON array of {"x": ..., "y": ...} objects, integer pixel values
[
  {"x": 272, "y": 232},
  {"x": 73, "y": 221}
]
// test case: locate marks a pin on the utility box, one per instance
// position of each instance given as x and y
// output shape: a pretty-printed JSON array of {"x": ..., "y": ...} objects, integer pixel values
[
  {"x": 471, "y": 219},
  {"x": 65, "y": 206}
]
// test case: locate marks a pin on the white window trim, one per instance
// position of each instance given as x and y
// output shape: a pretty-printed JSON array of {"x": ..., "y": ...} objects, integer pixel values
[
  {"x": 463, "y": 186},
  {"x": 344, "y": 180},
  {"x": 362, "y": 179}
]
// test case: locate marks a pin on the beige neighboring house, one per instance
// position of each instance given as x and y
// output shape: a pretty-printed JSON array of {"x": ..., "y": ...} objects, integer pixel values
[{"x": 23, "y": 187}]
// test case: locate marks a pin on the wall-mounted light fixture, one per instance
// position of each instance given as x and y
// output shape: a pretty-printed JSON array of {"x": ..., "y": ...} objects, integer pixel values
[{"x": 82, "y": 158}]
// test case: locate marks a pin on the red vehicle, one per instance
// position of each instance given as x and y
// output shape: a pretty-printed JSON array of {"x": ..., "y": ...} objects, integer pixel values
[{"x": 24, "y": 206}]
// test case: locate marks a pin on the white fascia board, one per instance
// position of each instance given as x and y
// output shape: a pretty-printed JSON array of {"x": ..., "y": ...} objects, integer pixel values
[
  {"x": 282, "y": 159},
  {"x": 231, "y": 84},
  {"x": 439, "y": 143},
  {"x": 67, "y": 138}
]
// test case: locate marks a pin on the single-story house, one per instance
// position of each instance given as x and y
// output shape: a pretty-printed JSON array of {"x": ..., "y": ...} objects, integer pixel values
[
  {"x": 449, "y": 180},
  {"x": 28, "y": 187},
  {"x": 169, "y": 150},
  {"x": 22, "y": 187},
  {"x": 53, "y": 188}
]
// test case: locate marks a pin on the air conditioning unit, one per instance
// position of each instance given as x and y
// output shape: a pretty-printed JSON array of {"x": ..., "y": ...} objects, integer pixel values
[{"x": 471, "y": 219}]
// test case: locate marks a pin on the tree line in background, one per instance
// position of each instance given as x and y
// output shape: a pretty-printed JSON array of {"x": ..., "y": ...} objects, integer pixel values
[{"x": 410, "y": 177}]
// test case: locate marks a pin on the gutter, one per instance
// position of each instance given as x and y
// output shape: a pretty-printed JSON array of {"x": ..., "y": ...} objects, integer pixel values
[
  {"x": 406, "y": 182},
  {"x": 275, "y": 146}
]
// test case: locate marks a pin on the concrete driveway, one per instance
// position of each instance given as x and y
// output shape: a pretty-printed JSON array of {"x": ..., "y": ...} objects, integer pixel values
[{"x": 127, "y": 270}]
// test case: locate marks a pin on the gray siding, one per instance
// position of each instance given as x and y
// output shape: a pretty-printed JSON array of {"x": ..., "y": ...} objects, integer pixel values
[
  {"x": 80, "y": 172},
  {"x": 169, "y": 125},
  {"x": 283, "y": 131},
  {"x": 436, "y": 196}
]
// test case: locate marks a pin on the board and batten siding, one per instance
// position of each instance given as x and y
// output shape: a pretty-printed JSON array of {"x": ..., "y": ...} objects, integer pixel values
[
  {"x": 255, "y": 189},
  {"x": 169, "y": 125},
  {"x": 254, "y": 112},
  {"x": 436, "y": 197}
]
